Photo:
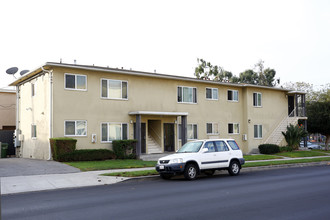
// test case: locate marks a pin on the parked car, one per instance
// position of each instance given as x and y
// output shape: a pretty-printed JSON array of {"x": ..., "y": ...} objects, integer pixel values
[
  {"x": 202, "y": 156},
  {"x": 310, "y": 145}
]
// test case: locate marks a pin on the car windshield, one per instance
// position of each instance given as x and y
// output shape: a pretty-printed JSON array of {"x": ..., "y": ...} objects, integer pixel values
[{"x": 190, "y": 147}]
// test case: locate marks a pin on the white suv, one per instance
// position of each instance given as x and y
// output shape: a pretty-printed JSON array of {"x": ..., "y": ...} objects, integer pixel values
[{"x": 202, "y": 156}]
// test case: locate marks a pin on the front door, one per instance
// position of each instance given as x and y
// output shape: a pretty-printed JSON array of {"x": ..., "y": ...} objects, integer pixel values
[
  {"x": 169, "y": 140},
  {"x": 143, "y": 137}
]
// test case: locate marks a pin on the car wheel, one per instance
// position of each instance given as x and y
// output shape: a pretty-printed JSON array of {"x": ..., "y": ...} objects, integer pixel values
[
  {"x": 165, "y": 176},
  {"x": 190, "y": 172},
  {"x": 209, "y": 172},
  {"x": 234, "y": 168}
]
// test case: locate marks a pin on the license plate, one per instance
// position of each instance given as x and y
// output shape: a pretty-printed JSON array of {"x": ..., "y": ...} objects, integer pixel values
[{"x": 161, "y": 167}]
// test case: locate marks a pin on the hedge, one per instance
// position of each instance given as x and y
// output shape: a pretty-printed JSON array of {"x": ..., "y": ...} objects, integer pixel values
[
  {"x": 61, "y": 146},
  {"x": 269, "y": 149},
  {"x": 87, "y": 155},
  {"x": 124, "y": 149}
]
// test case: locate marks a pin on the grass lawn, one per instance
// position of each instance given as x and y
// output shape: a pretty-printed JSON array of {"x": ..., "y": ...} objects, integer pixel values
[
  {"x": 133, "y": 173},
  {"x": 111, "y": 164},
  {"x": 270, "y": 163},
  {"x": 260, "y": 157},
  {"x": 301, "y": 154}
]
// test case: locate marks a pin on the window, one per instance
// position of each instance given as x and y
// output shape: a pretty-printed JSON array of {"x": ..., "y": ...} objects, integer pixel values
[
  {"x": 191, "y": 131},
  {"x": 212, "y": 93},
  {"x": 233, "y": 145},
  {"x": 187, "y": 94},
  {"x": 212, "y": 128},
  {"x": 114, "y": 89},
  {"x": 257, "y": 99},
  {"x": 75, "y": 128},
  {"x": 221, "y": 146},
  {"x": 233, "y": 95},
  {"x": 33, "y": 131},
  {"x": 75, "y": 82},
  {"x": 258, "y": 131},
  {"x": 33, "y": 91},
  {"x": 114, "y": 131},
  {"x": 233, "y": 128}
]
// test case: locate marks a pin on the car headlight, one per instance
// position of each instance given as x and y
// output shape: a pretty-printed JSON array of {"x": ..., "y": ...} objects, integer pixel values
[{"x": 177, "y": 160}]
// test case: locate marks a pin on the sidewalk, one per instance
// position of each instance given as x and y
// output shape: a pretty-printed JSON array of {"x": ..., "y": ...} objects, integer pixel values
[{"x": 20, "y": 184}]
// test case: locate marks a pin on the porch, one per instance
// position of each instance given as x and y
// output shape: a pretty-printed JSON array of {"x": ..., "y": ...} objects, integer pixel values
[{"x": 157, "y": 132}]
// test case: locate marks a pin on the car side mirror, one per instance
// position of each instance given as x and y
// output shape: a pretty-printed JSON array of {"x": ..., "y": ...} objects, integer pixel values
[{"x": 205, "y": 150}]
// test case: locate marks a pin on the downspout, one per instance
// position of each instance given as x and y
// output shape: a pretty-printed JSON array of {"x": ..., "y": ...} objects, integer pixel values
[{"x": 50, "y": 108}]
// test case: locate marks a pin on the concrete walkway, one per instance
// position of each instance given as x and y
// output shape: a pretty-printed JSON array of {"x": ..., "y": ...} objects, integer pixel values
[{"x": 30, "y": 183}]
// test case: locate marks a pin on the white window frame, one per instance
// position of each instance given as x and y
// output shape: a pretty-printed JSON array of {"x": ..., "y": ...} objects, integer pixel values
[
  {"x": 233, "y": 100},
  {"x": 121, "y": 89},
  {"x": 75, "y": 128},
  {"x": 234, "y": 128},
  {"x": 193, "y": 96},
  {"x": 258, "y": 105},
  {"x": 32, "y": 131},
  {"x": 212, "y": 89},
  {"x": 214, "y": 124},
  {"x": 75, "y": 82},
  {"x": 259, "y": 127},
  {"x": 121, "y": 129},
  {"x": 193, "y": 126}
]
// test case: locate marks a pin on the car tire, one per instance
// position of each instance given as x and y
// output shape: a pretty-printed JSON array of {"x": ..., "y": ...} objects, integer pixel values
[
  {"x": 190, "y": 172},
  {"x": 234, "y": 168},
  {"x": 209, "y": 172},
  {"x": 165, "y": 176}
]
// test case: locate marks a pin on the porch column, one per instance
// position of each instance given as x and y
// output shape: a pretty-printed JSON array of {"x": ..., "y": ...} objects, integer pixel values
[
  {"x": 296, "y": 105},
  {"x": 303, "y": 99},
  {"x": 183, "y": 129},
  {"x": 138, "y": 136}
]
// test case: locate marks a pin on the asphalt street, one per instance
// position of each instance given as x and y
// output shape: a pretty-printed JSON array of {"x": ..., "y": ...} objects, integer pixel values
[{"x": 292, "y": 193}]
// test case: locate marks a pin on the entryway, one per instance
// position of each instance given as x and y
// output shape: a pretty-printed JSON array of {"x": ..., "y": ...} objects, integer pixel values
[{"x": 169, "y": 137}]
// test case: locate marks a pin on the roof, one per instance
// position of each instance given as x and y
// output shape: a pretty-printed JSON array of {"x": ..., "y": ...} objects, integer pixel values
[
  {"x": 50, "y": 65},
  {"x": 7, "y": 91}
]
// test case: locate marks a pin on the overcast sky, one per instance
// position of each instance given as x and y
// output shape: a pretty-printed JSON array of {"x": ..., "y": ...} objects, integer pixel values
[{"x": 292, "y": 37}]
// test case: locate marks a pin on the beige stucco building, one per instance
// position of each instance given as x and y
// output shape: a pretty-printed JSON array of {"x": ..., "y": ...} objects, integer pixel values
[
  {"x": 96, "y": 105},
  {"x": 7, "y": 109}
]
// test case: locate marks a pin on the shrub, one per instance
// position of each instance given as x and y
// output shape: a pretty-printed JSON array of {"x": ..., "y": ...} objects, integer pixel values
[
  {"x": 124, "y": 149},
  {"x": 61, "y": 146},
  {"x": 286, "y": 149},
  {"x": 293, "y": 135},
  {"x": 269, "y": 148},
  {"x": 87, "y": 155}
]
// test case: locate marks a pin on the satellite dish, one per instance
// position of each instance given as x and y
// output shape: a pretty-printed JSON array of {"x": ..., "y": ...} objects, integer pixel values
[
  {"x": 23, "y": 72},
  {"x": 12, "y": 70}
]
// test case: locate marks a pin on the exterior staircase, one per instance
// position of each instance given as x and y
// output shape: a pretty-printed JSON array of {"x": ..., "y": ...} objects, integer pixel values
[
  {"x": 276, "y": 137},
  {"x": 153, "y": 146}
]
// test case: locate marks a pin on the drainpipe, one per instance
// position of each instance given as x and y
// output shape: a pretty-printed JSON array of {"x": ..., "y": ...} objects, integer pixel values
[{"x": 50, "y": 108}]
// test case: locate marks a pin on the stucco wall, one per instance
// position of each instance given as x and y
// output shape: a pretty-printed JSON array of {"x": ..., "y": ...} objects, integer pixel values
[
  {"x": 150, "y": 94},
  {"x": 34, "y": 110}
]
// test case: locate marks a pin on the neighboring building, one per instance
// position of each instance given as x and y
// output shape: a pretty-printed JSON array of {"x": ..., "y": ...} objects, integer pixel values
[
  {"x": 96, "y": 105},
  {"x": 7, "y": 118}
]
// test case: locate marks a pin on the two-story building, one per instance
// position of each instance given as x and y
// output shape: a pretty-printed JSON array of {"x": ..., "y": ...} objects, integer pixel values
[{"x": 97, "y": 105}]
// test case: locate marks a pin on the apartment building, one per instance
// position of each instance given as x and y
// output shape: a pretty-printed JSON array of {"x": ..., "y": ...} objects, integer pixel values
[{"x": 97, "y": 105}]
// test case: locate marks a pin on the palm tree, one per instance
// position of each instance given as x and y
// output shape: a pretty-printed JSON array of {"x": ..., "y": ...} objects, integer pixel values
[{"x": 293, "y": 135}]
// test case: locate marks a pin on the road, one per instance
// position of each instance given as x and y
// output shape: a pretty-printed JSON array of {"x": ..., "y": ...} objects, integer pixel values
[{"x": 292, "y": 193}]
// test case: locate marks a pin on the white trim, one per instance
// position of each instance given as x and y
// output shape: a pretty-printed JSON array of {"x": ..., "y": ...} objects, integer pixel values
[
  {"x": 233, "y": 123},
  {"x": 121, "y": 133},
  {"x": 213, "y": 123},
  {"x": 233, "y": 96},
  {"x": 212, "y": 99},
  {"x": 258, "y": 138},
  {"x": 75, "y": 127},
  {"x": 256, "y": 106},
  {"x": 75, "y": 82},
  {"x": 182, "y": 95},
  {"x": 121, "y": 89}
]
